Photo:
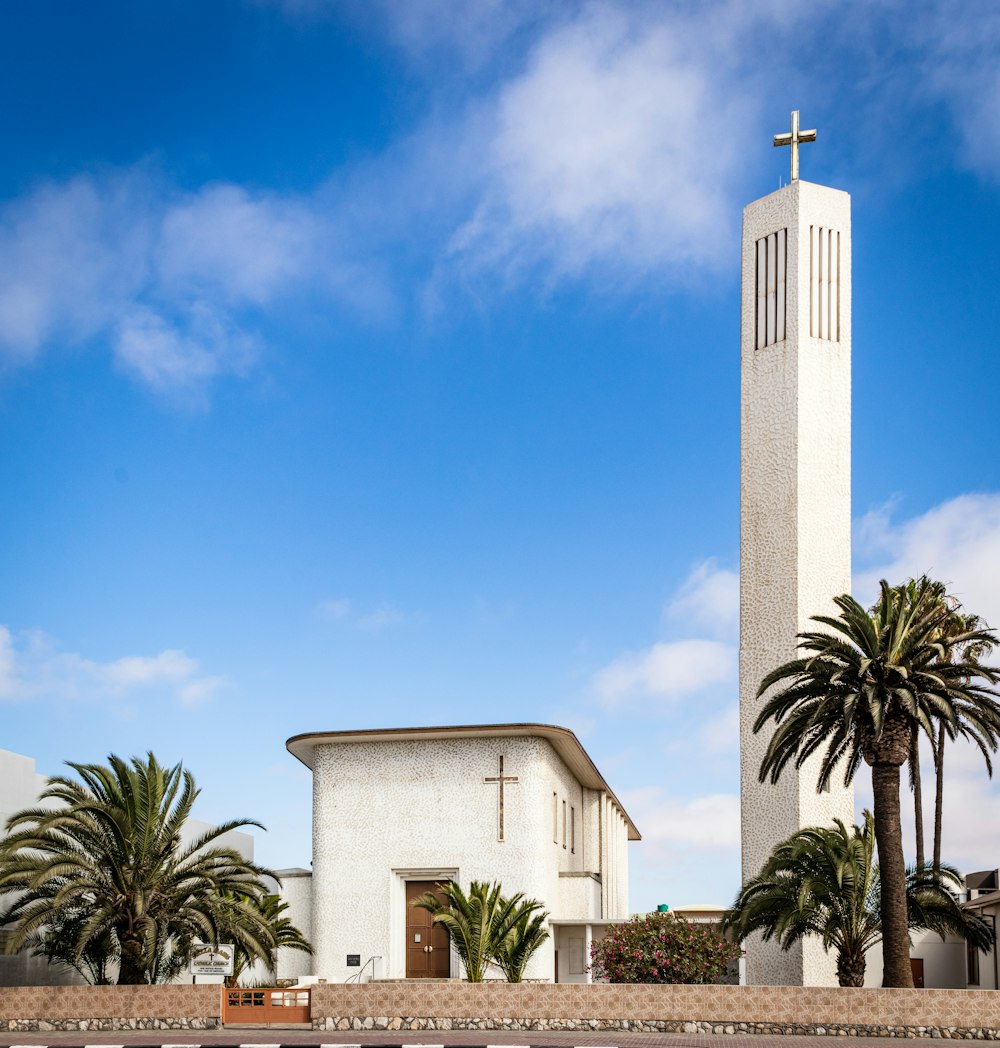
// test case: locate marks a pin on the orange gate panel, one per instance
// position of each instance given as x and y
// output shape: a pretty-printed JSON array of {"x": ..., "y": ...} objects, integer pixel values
[{"x": 266, "y": 1007}]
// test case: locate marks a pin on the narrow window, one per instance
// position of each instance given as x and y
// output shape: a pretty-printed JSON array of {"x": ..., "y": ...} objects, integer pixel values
[
  {"x": 972, "y": 959},
  {"x": 564, "y": 825},
  {"x": 572, "y": 830},
  {"x": 555, "y": 819}
]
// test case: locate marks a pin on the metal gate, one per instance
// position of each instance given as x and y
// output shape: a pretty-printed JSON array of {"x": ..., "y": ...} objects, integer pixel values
[{"x": 266, "y": 1007}]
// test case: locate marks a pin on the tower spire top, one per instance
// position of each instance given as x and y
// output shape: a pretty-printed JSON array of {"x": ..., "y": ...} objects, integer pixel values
[{"x": 793, "y": 138}]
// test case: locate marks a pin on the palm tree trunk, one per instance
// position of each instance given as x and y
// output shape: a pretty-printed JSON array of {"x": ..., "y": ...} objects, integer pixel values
[
  {"x": 892, "y": 870},
  {"x": 918, "y": 799},
  {"x": 938, "y": 794},
  {"x": 851, "y": 968}
]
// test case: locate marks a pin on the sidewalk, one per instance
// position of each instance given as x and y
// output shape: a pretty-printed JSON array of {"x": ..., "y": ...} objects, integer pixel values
[{"x": 447, "y": 1039}]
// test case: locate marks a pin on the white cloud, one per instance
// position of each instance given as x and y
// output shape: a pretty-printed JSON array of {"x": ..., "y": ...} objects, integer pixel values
[
  {"x": 710, "y": 821},
  {"x": 336, "y": 609},
  {"x": 709, "y": 598},
  {"x": 668, "y": 670},
  {"x": 689, "y": 845},
  {"x": 32, "y": 667},
  {"x": 598, "y": 158},
  {"x": 177, "y": 284},
  {"x": 956, "y": 46},
  {"x": 379, "y": 618},
  {"x": 70, "y": 254},
  {"x": 182, "y": 355},
  {"x": 473, "y": 31},
  {"x": 223, "y": 240},
  {"x": 957, "y": 542},
  {"x": 721, "y": 733}
]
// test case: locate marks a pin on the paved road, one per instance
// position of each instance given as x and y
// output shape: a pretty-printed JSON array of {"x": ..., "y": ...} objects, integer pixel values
[{"x": 440, "y": 1039}]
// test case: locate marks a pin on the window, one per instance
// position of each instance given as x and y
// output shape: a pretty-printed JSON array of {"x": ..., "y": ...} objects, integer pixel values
[
  {"x": 564, "y": 825},
  {"x": 572, "y": 830},
  {"x": 555, "y": 818},
  {"x": 972, "y": 960}
]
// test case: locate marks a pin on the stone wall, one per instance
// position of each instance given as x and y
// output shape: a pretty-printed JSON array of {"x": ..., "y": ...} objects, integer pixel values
[
  {"x": 530, "y": 1006},
  {"x": 685, "y": 1009},
  {"x": 110, "y": 1008}
]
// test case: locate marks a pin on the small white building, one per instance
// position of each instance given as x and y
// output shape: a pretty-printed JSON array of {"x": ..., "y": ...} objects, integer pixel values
[
  {"x": 949, "y": 962},
  {"x": 396, "y": 811}
]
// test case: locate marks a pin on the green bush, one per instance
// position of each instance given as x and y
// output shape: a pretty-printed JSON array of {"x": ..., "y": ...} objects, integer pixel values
[{"x": 660, "y": 948}]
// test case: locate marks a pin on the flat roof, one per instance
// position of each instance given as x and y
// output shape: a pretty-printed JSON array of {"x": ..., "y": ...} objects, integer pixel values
[{"x": 563, "y": 741}]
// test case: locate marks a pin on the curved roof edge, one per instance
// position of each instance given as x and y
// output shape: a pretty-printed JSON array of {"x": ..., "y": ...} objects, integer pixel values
[{"x": 563, "y": 741}]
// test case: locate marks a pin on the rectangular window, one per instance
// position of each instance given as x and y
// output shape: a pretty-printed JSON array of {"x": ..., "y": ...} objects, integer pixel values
[
  {"x": 972, "y": 959},
  {"x": 572, "y": 830},
  {"x": 555, "y": 818},
  {"x": 824, "y": 283},
  {"x": 564, "y": 824},
  {"x": 771, "y": 296}
]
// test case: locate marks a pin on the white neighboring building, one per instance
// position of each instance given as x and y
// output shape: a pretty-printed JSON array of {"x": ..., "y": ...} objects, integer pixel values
[
  {"x": 20, "y": 785},
  {"x": 397, "y": 810},
  {"x": 949, "y": 963}
]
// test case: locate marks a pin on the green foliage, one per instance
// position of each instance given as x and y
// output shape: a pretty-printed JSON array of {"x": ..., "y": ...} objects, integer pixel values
[
  {"x": 860, "y": 691},
  {"x": 485, "y": 928},
  {"x": 660, "y": 948},
  {"x": 823, "y": 881},
  {"x": 527, "y": 932},
  {"x": 973, "y": 642},
  {"x": 871, "y": 673},
  {"x": 97, "y": 877},
  {"x": 270, "y": 909}
]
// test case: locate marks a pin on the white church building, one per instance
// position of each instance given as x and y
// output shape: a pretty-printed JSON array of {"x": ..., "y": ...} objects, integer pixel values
[{"x": 396, "y": 811}]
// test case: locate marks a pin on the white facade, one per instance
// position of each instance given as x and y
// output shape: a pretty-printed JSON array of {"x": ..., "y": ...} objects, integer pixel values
[
  {"x": 795, "y": 502},
  {"x": 947, "y": 963},
  {"x": 20, "y": 785},
  {"x": 417, "y": 805}
]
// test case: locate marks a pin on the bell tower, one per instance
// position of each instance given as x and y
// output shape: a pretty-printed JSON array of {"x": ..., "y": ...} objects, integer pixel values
[{"x": 795, "y": 498}]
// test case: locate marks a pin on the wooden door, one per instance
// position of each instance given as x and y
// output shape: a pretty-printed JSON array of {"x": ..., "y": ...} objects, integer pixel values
[
  {"x": 428, "y": 953},
  {"x": 917, "y": 968}
]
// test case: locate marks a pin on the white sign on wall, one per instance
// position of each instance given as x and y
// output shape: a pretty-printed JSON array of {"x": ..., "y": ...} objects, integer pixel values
[{"x": 212, "y": 960}]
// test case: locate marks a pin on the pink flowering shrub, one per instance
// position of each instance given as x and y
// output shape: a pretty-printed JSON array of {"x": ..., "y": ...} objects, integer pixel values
[{"x": 660, "y": 948}]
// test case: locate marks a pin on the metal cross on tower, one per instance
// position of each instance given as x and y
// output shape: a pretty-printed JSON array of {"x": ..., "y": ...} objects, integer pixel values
[
  {"x": 500, "y": 779},
  {"x": 793, "y": 138}
]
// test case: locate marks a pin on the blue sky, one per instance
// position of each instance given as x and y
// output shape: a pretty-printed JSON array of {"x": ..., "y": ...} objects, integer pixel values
[{"x": 377, "y": 363}]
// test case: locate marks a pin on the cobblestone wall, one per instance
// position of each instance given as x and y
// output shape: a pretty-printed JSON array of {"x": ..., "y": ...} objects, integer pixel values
[
  {"x": 959, "y": 1014},
  {"x": 680, "y": 1009},
  {"x": 104, "y": 1008}
]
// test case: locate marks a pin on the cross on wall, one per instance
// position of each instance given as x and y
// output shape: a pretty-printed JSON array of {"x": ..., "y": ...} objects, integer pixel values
[{"x": 500, "y": 779}]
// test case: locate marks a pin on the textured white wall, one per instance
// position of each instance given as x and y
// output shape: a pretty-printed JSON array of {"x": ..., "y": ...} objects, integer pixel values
[
  {"x": 296, "y": 890},
  {"x": 419, "y": 809},
  {"x": 20, "y": 784},
  {"x": 795, "y": 526}
]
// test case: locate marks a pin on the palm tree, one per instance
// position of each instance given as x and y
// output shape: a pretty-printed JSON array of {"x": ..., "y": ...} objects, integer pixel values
[
  {"x": 954, "y": 624},
  {"x": 108, "y": 849},
  {"x": 823, "y": 881},
  {"x": 526, "y": 935},
  {"x": 483, "y": 925},
  {"x": 284, "y": 934},
  {"x": 859, "y": 692}
]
